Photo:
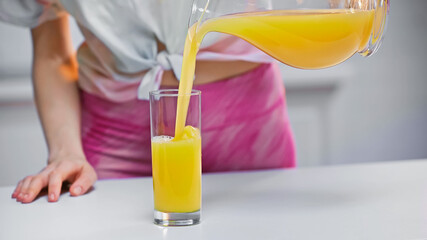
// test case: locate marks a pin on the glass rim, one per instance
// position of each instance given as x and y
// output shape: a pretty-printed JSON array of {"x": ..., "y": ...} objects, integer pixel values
[{"x": 173, "y": 93}]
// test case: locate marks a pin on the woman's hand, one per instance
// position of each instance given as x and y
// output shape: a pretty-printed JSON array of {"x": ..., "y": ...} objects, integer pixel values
[
  {"x": 55, "y": 74},
  {"x": 73, "y": 169}
]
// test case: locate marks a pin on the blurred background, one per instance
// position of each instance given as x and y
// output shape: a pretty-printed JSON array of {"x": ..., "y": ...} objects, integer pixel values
[{"x": 364, "y": 110}]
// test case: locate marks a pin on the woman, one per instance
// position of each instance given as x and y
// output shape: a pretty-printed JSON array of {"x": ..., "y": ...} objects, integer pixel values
[{"x": 93, "y": 105}]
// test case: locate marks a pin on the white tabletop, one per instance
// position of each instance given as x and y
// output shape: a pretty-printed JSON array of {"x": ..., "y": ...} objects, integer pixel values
[{"x": 366, "y": 201}]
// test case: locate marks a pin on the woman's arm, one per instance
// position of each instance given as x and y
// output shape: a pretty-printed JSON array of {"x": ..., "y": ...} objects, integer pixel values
[{"x": 57, "y": 99}]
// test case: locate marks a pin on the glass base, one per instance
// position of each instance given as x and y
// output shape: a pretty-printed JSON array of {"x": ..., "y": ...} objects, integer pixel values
[{"x": 176, "y": 219}]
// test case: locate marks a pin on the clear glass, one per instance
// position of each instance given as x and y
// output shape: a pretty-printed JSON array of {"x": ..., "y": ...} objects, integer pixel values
[
  {"x": 176, "y": 162},
  {"x": 290, "y": 19}
]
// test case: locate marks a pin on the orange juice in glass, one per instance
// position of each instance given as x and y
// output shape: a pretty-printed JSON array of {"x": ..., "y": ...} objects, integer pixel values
[{"x": 176, "y": 160}]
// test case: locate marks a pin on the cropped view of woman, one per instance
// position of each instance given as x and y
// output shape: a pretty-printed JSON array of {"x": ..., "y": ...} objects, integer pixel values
[{"x": 93, "y": 103}]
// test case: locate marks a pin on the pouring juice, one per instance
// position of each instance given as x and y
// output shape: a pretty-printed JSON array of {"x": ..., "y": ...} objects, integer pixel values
[{"x": 306, "y": 39}]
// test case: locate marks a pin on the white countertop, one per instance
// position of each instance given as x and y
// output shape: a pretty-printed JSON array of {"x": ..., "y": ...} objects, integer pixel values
[{"x": 366, "y": 201}]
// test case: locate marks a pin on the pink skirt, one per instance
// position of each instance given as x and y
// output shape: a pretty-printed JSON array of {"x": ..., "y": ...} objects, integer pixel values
[{"x": 245, "y": 126}]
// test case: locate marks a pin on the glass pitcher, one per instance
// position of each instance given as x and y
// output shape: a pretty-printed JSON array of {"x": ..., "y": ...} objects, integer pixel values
[{"x": 309, "y": 34}]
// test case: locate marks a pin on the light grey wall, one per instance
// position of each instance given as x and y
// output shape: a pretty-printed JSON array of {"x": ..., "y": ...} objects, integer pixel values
[
  {"x": 15, "y": 51},
  {"x": 367, "y": 109},
  {"x": 381, "y": 112}
]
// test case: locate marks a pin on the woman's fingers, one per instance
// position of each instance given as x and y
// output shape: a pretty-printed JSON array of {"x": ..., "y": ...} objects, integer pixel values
[
  {"x": 17, "y": 190},
  {"x": 65, "y": 171},
  {"x": 85, "y": 179},
  {"x": 24, "y": 189},
  {"x": 80, "y": 173},
  {"x": 28, "y": 188},
  {"x": 55, "y": 185},
  {"x": 37, "y": 183},
  {"x": 62, "y": 172}
]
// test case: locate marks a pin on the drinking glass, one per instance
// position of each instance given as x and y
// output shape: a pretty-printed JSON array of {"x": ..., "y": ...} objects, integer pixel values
[{"x": 176, "y": 162}]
